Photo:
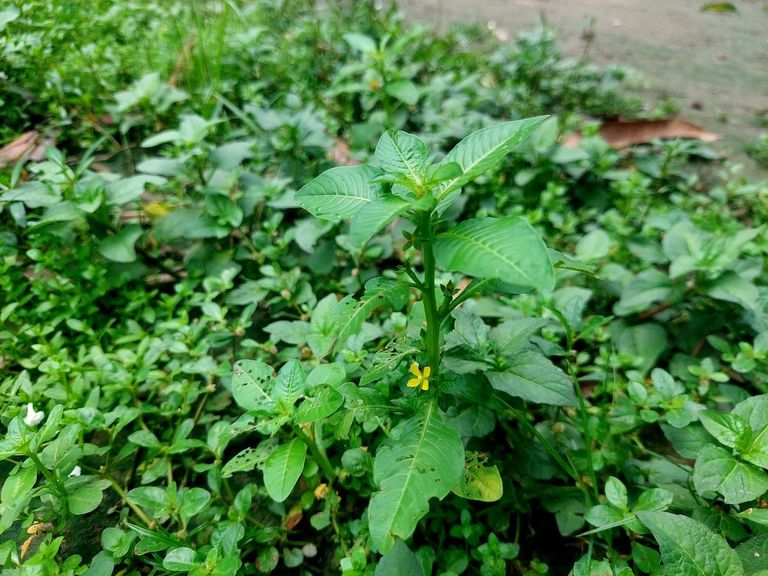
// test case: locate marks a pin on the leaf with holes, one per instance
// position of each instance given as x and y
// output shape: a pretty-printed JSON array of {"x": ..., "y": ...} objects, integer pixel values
[{"x": 252, "y": 383}]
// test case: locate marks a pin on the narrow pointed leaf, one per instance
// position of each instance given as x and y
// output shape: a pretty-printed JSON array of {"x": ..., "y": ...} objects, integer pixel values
[{"x": 482, "y": 150}]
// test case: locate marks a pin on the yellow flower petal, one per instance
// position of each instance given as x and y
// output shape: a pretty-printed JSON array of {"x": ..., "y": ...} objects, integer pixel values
[
  {"x": 413, "y": 382},
  {"x": 427, "y": 371},
  {"x": 425, "y": 385}
]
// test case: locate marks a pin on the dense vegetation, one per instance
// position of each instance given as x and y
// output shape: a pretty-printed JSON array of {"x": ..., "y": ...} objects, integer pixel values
[{"x": 199, "y": 376}]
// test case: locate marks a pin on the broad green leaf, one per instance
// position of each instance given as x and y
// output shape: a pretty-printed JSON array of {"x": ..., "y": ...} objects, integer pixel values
[
  {"x": 193, "y": 501},
  {"x": 755, "y": 411},
  {"x": 404, "y": 90},
  {"x": 753, "y": 553},
  {"x": 101, "y": 565},
  {"x": 532, "y": 377},
  {"x": 645, "y": 342},
  {"x": 252, "y": 383},
  {"x": 511, "y": 336},
  {"x": 321, "y": 405},
  {"x": 326, "y": 375},
  {"x": 727, "y": 428},
  {"x": 424, "y": 461},
  {"x": 180, "y": 560},
  {"x": 481, "y": 483},
  {"x": 339, "y": 193},
  {"x": 120, "y": 247},
  {"x": 404, "y": 153},
  {"x": 283, "y": 468},
  {"x": 360, "y": 42},
  {"x": 716, "y": 470},
  {"x": 482, "y": 150},
  {"x": 688, "y": 548},
  {"x": 84, "y": 497},
  {"x": 507, "y": 249},
  {"x": 375, "y": 216},
  {"x": 400, "y": 561},
  {"x": 289, "y": 384}
]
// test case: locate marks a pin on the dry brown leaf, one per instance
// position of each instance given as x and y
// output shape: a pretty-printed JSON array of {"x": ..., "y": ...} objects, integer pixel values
[
  {"x": 14, "y": 151},
  {"x": 623, "y": 133},
  {"x": 340, "y": 154}
]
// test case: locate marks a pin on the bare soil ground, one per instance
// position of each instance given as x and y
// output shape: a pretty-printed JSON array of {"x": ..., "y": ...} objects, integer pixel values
[{"x": 713, "y": 65}]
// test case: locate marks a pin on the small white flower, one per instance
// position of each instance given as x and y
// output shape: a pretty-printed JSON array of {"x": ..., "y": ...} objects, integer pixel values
[
  {"x": 75, "y": 471},
  {"x": 33, "y": 418}
]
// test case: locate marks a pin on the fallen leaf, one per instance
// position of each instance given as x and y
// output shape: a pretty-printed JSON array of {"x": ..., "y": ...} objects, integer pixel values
[
  {"x": 340, "y": 155},
  {"x": 13, "y": 152},
  {"x": 624, "y": 133}
]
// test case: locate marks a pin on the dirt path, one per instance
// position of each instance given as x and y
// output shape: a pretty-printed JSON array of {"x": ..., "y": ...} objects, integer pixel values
[{"x": 714, "y": 66}]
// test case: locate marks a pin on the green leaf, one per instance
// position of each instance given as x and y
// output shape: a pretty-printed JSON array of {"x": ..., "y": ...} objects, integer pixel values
[
  {"x": 403, "y": 153},
  {"x": 193, "y": 501},
  {"x": 425, "y": 460},
  {"x": 289, "y": 384},
  {"x": 245, "y": 461},
  {"x": 101, "y": 565},
  {"x": 120, "y": 247},
  {"x": 252, "y": 385},
  {"x": 482, "y": 150},
  {"x": 645, "y": 342},
  {"x": 323, "y": 404},
  {"x": 507, "y": 249},
  {"x": 753, "y": 553},
  {"x": 616, "y": 493},
  {"x": 404, "y": 90},
  {"x": 727, "y": 428},
  {"x": 716, "y": 470},
  {"x": 360, "y": 42},
  {"x": 85, "y": 498},
  {"x": 180, "y": 560},
  {"x": 481, "y": 483},
  {"x": 400, "y": 561},
  {"x": 351, "y": 314},
  {"x": 339, "y": 193},
  {"x": 511, "y": 336},
  {"x": 688, "y": 548},
  {"x": 283, "y": 468},
  {"x": 373, "y": 217},
  {"x": 719, "y": 7},
  {"x": 754, "y": 411},
  {"x": 532, "y": 377}
]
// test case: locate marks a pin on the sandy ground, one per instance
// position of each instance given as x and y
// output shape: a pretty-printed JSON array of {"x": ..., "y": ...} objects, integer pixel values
[{"x": 713, "y": 65}]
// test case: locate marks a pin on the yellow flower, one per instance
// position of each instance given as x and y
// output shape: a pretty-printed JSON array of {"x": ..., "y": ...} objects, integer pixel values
[{"x": 421, "y": 378}]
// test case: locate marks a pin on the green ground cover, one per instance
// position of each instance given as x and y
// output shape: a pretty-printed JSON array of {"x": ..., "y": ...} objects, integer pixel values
[{"x": 302, "y": 290}]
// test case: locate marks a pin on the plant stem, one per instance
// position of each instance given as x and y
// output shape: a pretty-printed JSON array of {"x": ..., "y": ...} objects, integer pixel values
[
  {"x": 138, "y": 511},
  {"x": 52, "y": 479},
  {"x": 432, "y": 338},
  {"x": 317, "y": 454}
]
